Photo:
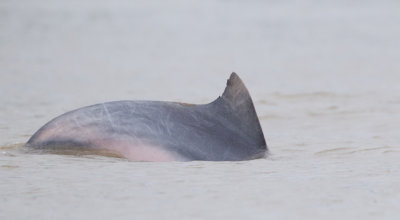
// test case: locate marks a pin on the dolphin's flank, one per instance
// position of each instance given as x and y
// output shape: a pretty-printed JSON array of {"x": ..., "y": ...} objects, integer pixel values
[{"x": 226, "y": 129}]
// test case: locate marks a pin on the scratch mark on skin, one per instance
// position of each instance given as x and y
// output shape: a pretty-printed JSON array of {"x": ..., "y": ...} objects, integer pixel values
[
  {"x": 166, "y": 123},
  {"x": 226, "y": 129},
  {"x": 108, "y": 115},
  {"x": 144, "y": 127},
  {"x": 77, "y": 122}
]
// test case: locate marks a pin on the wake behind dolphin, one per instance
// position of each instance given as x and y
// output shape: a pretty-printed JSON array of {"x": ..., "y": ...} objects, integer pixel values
[{"x": 226, "y": 129}]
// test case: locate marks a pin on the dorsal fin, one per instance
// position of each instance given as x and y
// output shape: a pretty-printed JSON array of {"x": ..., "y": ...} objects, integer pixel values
[
  {"x": 236, "y": 92},
  {"x": 241, "y": 105}
]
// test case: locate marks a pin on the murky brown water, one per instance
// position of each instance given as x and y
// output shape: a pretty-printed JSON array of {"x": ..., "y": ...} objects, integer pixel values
[{"x": 324, "y": 78}]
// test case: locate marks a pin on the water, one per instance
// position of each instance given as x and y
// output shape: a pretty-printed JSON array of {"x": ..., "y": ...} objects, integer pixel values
[{"x": 323, "y": 75}]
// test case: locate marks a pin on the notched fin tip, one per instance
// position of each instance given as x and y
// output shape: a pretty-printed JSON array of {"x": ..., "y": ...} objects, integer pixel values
[
  {"x": 235, "y": 88},
  {"x": 242, "y": 111}
]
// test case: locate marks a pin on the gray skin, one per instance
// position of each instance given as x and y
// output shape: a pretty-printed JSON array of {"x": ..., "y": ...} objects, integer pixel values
[{"x": 226, "y": 129}]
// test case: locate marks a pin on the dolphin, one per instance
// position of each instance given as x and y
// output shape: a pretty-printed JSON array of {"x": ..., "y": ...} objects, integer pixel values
[{"x": 226, "y": 129}]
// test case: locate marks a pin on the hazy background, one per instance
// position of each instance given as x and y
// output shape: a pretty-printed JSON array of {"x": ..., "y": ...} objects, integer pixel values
[{"x": 324, "y": 76}]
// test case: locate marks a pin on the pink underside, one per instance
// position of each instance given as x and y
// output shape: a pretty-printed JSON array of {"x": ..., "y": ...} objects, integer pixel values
[
  {"x": 137, "y": 151},
  {"x": 141, "y": 152},
  {"x": 134, "y": 150}
]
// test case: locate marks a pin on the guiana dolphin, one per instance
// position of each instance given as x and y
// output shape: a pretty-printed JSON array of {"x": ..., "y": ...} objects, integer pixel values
[{"x": 226, "y": 129}]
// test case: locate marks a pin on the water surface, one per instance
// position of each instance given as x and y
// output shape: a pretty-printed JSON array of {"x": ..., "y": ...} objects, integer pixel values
[{"x": 323, "y": 76}]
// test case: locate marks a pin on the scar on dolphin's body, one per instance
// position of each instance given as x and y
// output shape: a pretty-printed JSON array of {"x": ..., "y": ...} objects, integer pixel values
[{"x": 226, "y": 129}]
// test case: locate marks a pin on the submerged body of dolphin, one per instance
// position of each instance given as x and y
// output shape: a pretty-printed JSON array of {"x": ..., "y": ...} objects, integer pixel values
[{"x": 226, "y": 129}]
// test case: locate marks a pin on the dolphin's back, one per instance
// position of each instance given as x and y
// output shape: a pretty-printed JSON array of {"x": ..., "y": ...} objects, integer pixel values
[{"x": 226, "y": 129}]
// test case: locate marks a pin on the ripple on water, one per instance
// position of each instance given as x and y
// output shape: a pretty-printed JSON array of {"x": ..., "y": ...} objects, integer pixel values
[
  {"x": 306, "y": 95},
  {"x": 11, "y": 146},
  {"x": 352, "y": 150},
  {"x": 9, "y": 167}
]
